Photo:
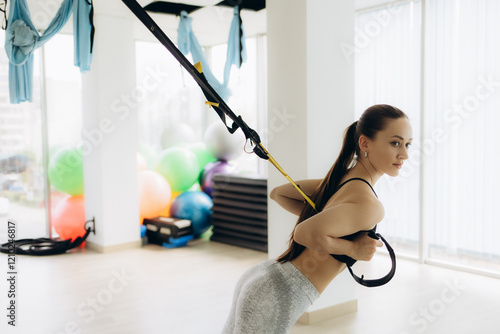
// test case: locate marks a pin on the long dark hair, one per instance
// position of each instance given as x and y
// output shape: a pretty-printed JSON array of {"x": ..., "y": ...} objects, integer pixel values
[{"x": 373, "y": 120}]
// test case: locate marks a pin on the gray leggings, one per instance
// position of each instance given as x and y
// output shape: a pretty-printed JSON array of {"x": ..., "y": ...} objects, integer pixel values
[{"x": 269, "y": 298}]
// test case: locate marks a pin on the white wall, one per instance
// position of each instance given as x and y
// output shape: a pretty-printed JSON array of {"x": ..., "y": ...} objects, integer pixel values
[{"x": 110, "y": 122}]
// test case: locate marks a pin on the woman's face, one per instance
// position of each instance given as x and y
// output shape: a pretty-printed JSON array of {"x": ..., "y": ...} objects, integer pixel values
[{"x": 389, "y": 150}]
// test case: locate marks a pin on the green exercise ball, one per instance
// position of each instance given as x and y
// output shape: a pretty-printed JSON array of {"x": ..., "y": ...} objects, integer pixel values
[
  {"x": 180, "y": 167},
  {"x": 66, "y": 170}
]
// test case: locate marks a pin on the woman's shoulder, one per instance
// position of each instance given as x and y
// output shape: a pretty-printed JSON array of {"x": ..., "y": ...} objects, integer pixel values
[
  {"x": 362, "y": 202},
  {"x": 354, "y": 190}
]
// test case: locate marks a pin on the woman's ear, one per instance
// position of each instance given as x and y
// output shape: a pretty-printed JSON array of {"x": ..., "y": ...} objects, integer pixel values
[{"x": 363, "y": 143}]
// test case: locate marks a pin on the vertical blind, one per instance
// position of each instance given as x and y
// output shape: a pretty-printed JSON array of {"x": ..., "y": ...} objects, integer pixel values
[
  {"x": 453, "y": 160},
  {"x": 462, "y": 104},
  {"x": 387, "y": 71}
]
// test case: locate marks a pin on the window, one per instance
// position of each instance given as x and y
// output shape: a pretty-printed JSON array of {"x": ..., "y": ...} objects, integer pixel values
[
  {"x": 174, "y": 99},
  {"x": 22, "y": 186},
  {"x": 461, "y": 109},
  {"x": 63, "y": 93},
  {"x": 448, "y": 189},
  {"x": 177, "y": 99},
  {"x": 21, "y": 170}
]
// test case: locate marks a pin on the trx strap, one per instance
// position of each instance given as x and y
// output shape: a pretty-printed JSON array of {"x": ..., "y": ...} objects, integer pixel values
[
  {"x": 45, "y": 246},
  {"x": 213, "y": 99},
  {"x": 350, "y": 261}
]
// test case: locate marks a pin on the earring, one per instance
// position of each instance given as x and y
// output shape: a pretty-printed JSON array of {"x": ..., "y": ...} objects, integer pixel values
[{"x": 366, "y": 154}]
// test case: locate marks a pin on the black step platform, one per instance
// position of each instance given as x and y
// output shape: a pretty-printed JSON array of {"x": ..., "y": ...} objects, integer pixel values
[{"x": 240, "y": 211}]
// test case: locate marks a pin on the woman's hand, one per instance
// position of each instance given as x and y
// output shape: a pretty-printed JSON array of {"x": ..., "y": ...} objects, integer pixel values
[{"x": 365, "y": 247}]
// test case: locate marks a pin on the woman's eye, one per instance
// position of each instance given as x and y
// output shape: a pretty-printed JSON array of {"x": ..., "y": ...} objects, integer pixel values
[
  {"x": 395, "y": 143},
  {"x": 408, "y": 145}
]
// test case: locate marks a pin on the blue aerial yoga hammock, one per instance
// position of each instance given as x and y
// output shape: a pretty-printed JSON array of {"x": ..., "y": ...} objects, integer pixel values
[
  {"x": 187, "y": 42},
  {"x": 236, "y": 45},
  {"x": 223, "y": 110},
  {"x": 236, "y": 50},
  {"x": 22, "y": 38}
]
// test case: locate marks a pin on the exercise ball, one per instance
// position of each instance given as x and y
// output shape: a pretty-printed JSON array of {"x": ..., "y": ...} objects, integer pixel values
[
  {"x": 68, "y": 217},
  {"x": 222, "y": 144},
  {"x": 65, "y": 170},
  {"x": 179, "y": 134},
  {"x": 195, "y": 206},
  {"x": 180, "y": 167},
  {"x": 218, "y": 167},
  {"x": 154, "y": 193},
  {"x": 202, "y": 154}
]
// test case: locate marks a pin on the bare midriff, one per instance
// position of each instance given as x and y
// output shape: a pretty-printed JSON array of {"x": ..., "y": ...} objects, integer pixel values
[{"x": 319, "y": 267}]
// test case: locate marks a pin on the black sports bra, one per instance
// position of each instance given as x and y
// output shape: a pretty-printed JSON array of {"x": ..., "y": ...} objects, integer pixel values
[{"x": 372, "y": 234}]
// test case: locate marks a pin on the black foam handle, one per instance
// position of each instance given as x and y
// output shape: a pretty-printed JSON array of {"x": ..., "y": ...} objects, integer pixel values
[{"x": 379, "y": 281}]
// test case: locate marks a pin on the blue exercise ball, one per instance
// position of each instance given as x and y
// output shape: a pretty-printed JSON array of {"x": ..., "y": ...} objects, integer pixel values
[{"x": 195, "y": 206}]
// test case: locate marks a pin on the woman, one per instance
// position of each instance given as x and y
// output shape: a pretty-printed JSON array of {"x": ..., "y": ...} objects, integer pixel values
[{"x": 271, "y": 296}]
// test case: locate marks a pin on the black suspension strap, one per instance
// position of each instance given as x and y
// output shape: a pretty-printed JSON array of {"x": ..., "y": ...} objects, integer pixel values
[{"x": 46, "y": 246}]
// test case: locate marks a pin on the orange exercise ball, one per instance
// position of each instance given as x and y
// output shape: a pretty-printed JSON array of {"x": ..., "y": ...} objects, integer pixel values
[
  {"x": 68, "y": 217},
  {"x": 154, "y": 193}
]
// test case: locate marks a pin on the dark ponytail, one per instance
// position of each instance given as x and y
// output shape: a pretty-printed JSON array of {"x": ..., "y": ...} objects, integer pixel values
[{"x": 373, "y": 120}]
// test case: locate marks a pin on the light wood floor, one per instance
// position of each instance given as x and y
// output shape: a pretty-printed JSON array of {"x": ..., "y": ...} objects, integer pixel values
[{"x": 188, "y": 290}]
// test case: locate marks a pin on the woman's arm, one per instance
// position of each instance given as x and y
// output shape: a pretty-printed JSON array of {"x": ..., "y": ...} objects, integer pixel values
[
  {"x": 322, "y": 232},
  {"x": 290, "y": 199}
]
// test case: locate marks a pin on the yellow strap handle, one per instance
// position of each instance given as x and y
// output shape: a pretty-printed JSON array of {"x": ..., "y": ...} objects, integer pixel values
[
  {"x": 198, "y": 67},
  {"x": 278, "y": 167},
  {"x": 210, "y": 104}
]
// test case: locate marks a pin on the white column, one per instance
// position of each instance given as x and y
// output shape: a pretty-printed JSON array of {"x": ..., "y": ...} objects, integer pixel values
[
  {"x": 311, "y": 102},
  {"x": 110, "y": 131}
]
